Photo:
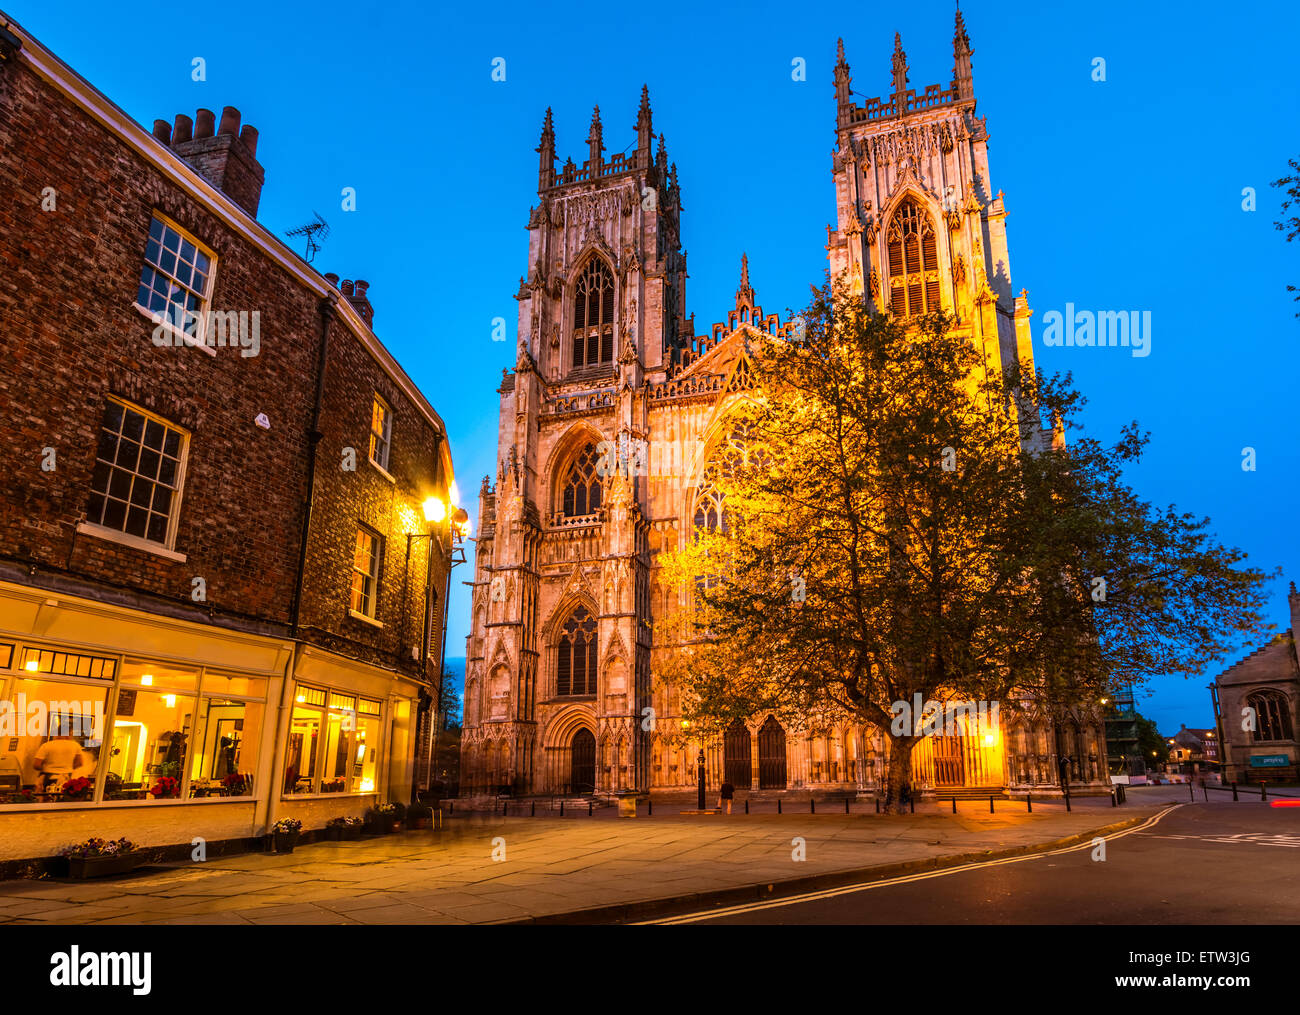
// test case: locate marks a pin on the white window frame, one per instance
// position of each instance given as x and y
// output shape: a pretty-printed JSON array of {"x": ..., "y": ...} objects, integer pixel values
[
  {"x": 98, "y": 528},
  {"x": 375, "y": 576},
  {"x": 385, "y": 439},
  {"x": 204, "y": 298}
]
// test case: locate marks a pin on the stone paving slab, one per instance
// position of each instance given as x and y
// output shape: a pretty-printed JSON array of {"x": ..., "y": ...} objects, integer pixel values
[{"x": 553, "y": 866}]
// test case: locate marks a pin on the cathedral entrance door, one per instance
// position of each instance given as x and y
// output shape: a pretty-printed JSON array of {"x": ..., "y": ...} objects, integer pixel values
[
  {"x": 737, "y": 763},
  {"x": 771, "y": 755},
  {"x": 582, "y": 776},
  {"x": 949, "y": 769}
]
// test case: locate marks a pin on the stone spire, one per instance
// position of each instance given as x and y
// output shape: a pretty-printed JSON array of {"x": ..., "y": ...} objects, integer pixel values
[
  {"x": 962, "y": 81},
  {"x": 644, "y": 129},
  {"x": 745, "y": 294},
  {"x": 843, "y": 84},
  {"x": 546, "y": 150},
  {"x": 595, "y": 143},
  {"x": 900, "y": 74},
  {"x": 661, "y": 158}
]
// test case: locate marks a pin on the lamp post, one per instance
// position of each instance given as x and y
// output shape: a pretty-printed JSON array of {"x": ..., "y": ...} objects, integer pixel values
[
  {"x": 699, "y": 774},
  {"x": 435, "y": 512}
]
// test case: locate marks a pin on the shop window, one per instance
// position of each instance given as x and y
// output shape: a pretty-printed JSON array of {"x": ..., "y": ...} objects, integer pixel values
[
  {"x": 151, "y": 740},
  {"x": 349, "y": 735},
  {"x": 301, "y": 752},
  {"x": 59, "y": 729},
  {"x": 226, "y": 746}
]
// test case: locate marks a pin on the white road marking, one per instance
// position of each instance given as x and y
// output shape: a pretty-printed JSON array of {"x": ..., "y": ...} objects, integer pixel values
[{"x": 830, "y": 893}]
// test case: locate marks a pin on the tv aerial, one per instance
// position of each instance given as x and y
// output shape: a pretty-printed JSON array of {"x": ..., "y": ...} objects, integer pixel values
[{"x": 319, "y": 229}]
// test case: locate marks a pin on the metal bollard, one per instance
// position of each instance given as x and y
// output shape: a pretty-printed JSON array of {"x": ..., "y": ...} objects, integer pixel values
[
  {"x": 990, "y": 803},
  {"x": 589, "y": 805},
  {"x": 1113, "y": 797},
  {"x": 1206, "y": 791},
  {"x": 912, "y": 802},
  {"x": 812, "y": 806},
  {"x": 450, "y": 805},
  {"x": 954, "y": 805},
  {"x": 1029, "y": 802},
  {"x": 1068, "y": 808},
  {"x": 505, "y": 804},
  {"x": 1234, "y": 791},
  {"x": 877, "y": 805},
  {"x": 533, "y": 812},
  {"x": 846, "y": 805},
  {"x": 778, "y": 805},
  {"x": 1263, "y": 791},
  {"x": 1191, "y": 792},
  {"x": 746, "y": 806},
  {"x": 561, "y": 808},
  {"x": 649, "y": 808}
]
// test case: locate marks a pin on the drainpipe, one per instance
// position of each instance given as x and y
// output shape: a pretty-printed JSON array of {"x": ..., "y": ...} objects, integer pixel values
[{"x": 314, "y": 436}]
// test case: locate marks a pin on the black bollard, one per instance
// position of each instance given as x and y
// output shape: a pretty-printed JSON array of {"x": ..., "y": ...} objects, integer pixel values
[
  {"x": 450, "y": 804},
  {"x": 912, "y": 802},
  {"x": 1191, "y": 792},
  {"x": 588, "y": 808},
  {"x": 1263, "y": 791},
  {"x": 812, "y": 806},
  {"x": 561, "y": 808},
  {"x": 846, "y": 805},
  {"x": 1029, "y": 802},
  {"x": 649, "y": 808},
  {"x": 1113, "y": 795},
  {"x": 778, "y": 805},
  {"x": 533, "y": 812},
  {"x": 1206, "y": 791},
  {"x": 1234, "y": 791},
  {"x": 1067, "y": 803},
  {"x": 504, "y": 805},
  {"x": 990, "y": 804},
  {"x": 877, "y": 805},
  {"x": 954, "y": 805}
]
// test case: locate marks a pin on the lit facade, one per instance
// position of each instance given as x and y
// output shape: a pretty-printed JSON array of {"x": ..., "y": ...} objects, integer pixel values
[{"x": 560, "y": 658}]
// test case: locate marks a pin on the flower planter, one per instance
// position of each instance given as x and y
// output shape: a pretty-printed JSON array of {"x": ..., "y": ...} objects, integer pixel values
[
  {"x": 284, "y": 841},
  {"x": 81, "y": 867},
  {"x": 334, "y": 833}
]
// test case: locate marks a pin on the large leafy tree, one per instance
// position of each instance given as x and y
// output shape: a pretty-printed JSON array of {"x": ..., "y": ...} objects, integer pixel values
[{"x": 898, "y": 520}]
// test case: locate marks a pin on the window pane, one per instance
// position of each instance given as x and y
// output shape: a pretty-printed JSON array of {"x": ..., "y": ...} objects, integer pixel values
[
  {"x": 150, "y": 742},
  {"x": 54, "y": 756},
  {"x": 225, "y": 755},
  {"x": 300, "y": 753}
]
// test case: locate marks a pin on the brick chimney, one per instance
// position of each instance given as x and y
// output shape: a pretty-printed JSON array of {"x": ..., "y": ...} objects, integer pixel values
[
  {"x": 224, "y": 155},
  {"x": 354, "y": 293}
]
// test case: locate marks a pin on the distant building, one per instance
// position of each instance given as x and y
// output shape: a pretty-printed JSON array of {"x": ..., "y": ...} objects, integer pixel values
[
  {"x": 1123, "y": 753},
  {"x": 1193, "y": 752},
  {"x": 1257, "y": 701}
]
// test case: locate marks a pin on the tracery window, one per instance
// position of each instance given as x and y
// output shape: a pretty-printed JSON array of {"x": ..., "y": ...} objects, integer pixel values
[
  {"x": 575, "y": 665},
  {"x": 582, "y": 485},
  {"x": 913, "y": 262},
  {"x": 593, "y": 315},
  {"x": 1272, "y": 716}
]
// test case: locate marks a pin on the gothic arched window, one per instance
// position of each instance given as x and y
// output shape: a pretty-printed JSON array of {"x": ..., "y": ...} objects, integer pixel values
[
  {"x": 1272, "y": 716},
  {"x": 913, "y": 262},
  {"x": 582, "y": 484},
  {"x": 593, "y": 315},
  {"x": 575, "y": 664}
]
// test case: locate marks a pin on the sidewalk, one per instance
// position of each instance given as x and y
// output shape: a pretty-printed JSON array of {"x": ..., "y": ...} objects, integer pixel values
[{"x": 552, "y": 866}]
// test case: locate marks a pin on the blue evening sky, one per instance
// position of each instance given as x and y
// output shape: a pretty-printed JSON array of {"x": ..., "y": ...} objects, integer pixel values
[{"x": 1122, "y": 195}]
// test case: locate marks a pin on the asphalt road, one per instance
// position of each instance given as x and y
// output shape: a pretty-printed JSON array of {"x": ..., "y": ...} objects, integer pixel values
[{"x": 1198, "y": 863}]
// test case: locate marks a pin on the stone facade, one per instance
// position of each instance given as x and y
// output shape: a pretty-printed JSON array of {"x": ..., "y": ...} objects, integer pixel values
[
  {"x": 1258, "y": 709},
  {"x": 558, "y": 558}
]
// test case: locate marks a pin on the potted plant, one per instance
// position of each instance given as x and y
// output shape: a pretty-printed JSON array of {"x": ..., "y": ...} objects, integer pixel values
[
  {"x": 398, "y": 810},
  {"x": 79, "y": 788},
  {"x": 284, "y": 834},
  {"x": 23, "y": 796},
  {"x": 237, "y": 784},
  {"x": 380, "y": 819},
  {"x": 418, "y": 815},
  {"x": 337, "y": 829},
  {"x": 333, "y": 786},
  {"x": 96, "y": 858},
  {"x": 166, "y": 786}
]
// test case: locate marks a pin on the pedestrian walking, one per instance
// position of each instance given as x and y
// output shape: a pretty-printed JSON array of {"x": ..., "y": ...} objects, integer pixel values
[{"x": 725, "y": 794}]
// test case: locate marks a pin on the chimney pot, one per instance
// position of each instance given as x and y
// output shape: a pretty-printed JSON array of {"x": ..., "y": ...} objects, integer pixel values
[
  {"x": 249, "y": 136},
  {"x": 184, "y": 129},
  {"x": 204, "y": 122},
  {"x": 347, "y": 288},
  {"x": 229, "y": 121},
  {"x": 361, "y": 288},
  {"x": 162, "y": 130},
  {"x": 332, "y": 279}
]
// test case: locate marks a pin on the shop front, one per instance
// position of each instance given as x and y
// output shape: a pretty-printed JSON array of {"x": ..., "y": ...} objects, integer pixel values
[{"x": 118, "y": 723}]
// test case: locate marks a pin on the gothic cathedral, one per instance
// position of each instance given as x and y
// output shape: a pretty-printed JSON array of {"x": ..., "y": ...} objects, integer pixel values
[{"x": 560, "y": 660}]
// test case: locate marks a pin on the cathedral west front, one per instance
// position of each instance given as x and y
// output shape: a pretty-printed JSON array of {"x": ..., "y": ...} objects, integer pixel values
[{"x": 560, "y": 661}]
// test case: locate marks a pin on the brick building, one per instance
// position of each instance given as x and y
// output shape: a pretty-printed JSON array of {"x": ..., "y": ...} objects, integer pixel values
[{"x": 226, "y": 533}]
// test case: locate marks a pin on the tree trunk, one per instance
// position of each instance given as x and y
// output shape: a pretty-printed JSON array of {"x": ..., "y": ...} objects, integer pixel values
[{"x": 899, "y": 774}]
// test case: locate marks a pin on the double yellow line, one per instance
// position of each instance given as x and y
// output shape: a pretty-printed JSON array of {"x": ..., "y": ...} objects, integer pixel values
[{"x": 830, "y": 893}]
